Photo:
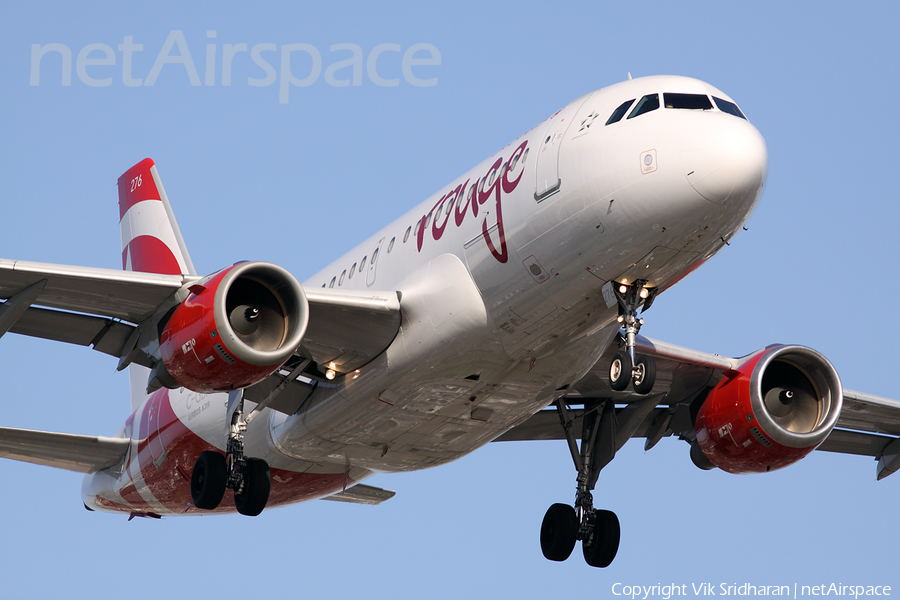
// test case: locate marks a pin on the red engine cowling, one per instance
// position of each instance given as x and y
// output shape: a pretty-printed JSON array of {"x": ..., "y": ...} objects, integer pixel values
[
  {"x": 235, "y": 329},
  {"x": 777, "y": 408}
]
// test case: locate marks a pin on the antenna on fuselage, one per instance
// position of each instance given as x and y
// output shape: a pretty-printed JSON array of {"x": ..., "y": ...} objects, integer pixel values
[{"x": 629, "y": 75}]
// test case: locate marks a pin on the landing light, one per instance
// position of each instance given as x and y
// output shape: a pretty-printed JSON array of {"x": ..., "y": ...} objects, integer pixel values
[
  {"x": 620, "y": 318},
  {"x": 644, "y": 293},
  {"x": 622, "y": 289},
  {"x": 329, "y": 374}
]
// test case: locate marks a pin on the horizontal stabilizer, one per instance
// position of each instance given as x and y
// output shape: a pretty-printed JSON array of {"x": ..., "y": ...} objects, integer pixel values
[
  {"x": 363, "y": 494},
  {"x": 81, "y": 453}
]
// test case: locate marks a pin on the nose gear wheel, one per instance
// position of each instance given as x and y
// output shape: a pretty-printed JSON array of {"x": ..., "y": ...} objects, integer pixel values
[{"x": 625, "y": 366}]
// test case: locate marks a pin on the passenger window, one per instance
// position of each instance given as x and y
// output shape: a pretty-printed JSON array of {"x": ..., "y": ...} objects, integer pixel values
[
  {"x": 729, "y": 107},
  {"x": 645, "y": 105},
  {"x": 352, "y": 269},
  {"x": 688, "y": 101},
  {"x": 391, "y": 245},
  {"x": 406, "y": 235},
  {"x": 450, "y": 204},
  {"x": 419, "y": 225},
  {"x": 344, "y": 274},
  {"x": 374, "y": 256},
  {"x": 619, "y": 112},
  {"x": 333, "y": 279}
]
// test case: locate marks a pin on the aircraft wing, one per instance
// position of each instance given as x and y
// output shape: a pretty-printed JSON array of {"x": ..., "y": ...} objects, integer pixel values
[
  {"x": 81, "y": 453},
  {"x": 868, "y": 425},
  {"x": 101, "y": 308}
]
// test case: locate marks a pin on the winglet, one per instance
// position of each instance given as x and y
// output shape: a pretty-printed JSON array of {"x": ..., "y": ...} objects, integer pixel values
[{"x": 151, "y": 239}]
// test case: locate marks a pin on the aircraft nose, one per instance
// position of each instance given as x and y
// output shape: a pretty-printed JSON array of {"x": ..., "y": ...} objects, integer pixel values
[{"x": 725, "y": 159}]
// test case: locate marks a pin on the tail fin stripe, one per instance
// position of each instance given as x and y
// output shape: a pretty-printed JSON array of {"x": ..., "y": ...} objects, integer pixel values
[{"x": 136, "y": 185}]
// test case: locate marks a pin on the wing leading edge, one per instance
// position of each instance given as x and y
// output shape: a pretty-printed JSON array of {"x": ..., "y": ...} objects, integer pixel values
[
  {"x": 102, "y": 308},
  {"x": 868, "y": 425}
]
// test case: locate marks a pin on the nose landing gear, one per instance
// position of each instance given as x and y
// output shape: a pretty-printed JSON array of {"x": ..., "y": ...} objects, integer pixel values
[{"x": 625, "y": 367}]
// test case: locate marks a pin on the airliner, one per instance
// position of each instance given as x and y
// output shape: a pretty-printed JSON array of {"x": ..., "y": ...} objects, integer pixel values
[{"x": 508, "y": 306}]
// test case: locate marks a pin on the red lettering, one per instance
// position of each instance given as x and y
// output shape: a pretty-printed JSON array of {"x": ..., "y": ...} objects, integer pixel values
[
  {"x": 494, "y": 189},
  {"x": 420, "y": 232},
  {"x": 495, "y": 183},
  {"x": 437, "y": 232},
  {"x": 460, "y": 211},
  {"x": 509, "y": 186}
]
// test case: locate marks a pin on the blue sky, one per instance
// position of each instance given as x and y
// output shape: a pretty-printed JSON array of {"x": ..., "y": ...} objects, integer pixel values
[{"x": 301, "y": 182}]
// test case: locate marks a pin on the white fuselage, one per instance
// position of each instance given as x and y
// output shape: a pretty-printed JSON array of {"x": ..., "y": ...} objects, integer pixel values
[{"x": 500, "y": 295}]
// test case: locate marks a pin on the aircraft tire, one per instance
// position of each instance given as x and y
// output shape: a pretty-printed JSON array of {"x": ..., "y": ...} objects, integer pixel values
[
  {"x": 605, "y": 541},
  {"x": 253, "y": 498},
  {"x": 208, "y": 480},
  {"x": 558, "y": 532},
  {"x": 644, "y": 375},
  {"x": 620, "y": 371}
]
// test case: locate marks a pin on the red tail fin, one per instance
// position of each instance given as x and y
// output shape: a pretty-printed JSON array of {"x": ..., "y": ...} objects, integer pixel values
[{"x": 151, "y": 240}]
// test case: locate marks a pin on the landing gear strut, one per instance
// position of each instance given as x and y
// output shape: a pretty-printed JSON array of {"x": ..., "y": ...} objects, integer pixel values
[
  {"x": 625, "y": 367},
  {"x": 564, "y": 525},
  {"x": 248, "y": 477}
]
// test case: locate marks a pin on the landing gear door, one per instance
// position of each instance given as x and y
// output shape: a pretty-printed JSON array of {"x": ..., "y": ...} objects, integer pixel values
[{"x": 546, "y": 171}]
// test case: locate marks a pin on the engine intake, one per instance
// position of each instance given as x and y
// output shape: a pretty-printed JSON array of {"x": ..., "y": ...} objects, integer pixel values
[
  {"x": 777, "y": 408},
  {"x": 235, "y": 329}
]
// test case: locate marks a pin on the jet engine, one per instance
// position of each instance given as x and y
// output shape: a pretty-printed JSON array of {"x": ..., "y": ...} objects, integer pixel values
[
  {"x": 771, "y": 412},
  {"x": 236, "y": 328}
]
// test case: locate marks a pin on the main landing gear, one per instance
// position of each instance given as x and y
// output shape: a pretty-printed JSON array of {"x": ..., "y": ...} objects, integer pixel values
[
  {"x": 625, "y": 367},
  {"x": 248, "y": 477},
  {"x": 564, "y": 525},
  {"x": 599, "y": 530}
]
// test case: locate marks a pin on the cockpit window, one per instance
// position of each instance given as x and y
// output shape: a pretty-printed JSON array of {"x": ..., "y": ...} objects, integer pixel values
[
  {"x": 619, "y": 112},
  {"x": 729, "y": 107},
  {"x": 645, "y": 105},
  {"x": 688, "y": 101}
]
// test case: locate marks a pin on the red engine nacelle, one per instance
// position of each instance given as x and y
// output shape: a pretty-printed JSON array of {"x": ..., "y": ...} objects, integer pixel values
[
  {"x": 777, "y": 408},
  {"x": 235, "y": 329}
]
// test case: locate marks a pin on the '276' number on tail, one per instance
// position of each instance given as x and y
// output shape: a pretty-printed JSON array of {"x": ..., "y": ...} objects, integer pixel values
[{"x": 136, "y": 182}]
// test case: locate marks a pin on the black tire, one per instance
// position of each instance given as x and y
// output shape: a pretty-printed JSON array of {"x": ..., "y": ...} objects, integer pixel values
[
  {"x": 255, "y": 492},
  {"x": 644, "y": 376},
  {"x": 208, "y": 480},
  {"x": 620, "y": 371},
  {"x": 558, "y": 532},
  {"x": 604, "y": 544}
]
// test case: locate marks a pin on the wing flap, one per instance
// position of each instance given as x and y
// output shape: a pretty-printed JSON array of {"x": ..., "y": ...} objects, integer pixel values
[
  {"x": 362, "y": 494},
  {"x": 105, "y": 335},
  {"x": 81, "y": 453}
]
